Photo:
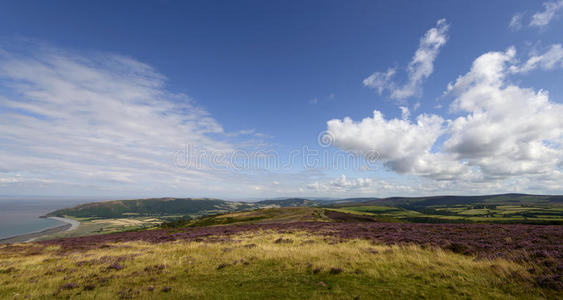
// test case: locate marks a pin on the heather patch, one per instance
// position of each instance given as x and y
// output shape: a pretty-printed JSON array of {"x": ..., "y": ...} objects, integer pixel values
[{"x": 370, "y": 260}]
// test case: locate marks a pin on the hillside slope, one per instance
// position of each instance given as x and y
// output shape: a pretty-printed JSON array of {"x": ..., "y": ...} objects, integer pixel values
[
  {"x": 275, "y": 216},
  {"x": 151, "y": 207},
  {"x": 299, "y": 260},
  {"x": 499, "y": 199},
  {"x": 505, "y": 208},
  {"x": 539, "y": 209}
]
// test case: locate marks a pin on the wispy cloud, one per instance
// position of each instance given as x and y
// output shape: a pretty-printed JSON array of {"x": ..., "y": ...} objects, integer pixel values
[
  {"x": 420, "y": 67},
  {"x": 324, "y": 99},
  {"x": 551, "y": 11},
  {"x": 99, "y": 120},
  {"x": 551, "y": 59},
  {"x": 540, "y": 19},
  {"x": 516, "y": 22}
]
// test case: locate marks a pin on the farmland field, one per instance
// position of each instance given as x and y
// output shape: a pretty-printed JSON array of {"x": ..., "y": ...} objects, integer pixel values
[{"x": 490, "y": 213}]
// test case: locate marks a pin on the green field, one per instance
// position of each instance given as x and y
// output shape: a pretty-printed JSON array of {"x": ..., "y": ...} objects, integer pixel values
[{"x": 532, "y": 214}]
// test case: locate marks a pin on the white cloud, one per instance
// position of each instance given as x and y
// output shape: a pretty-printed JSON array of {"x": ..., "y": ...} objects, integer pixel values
[
  {"x": 405, "y": 113},
  {"x": 328, "y": 98},
  {"x": 420, "y": 68},
  {"x": 358, "y": 186},
  {"x": 9, "y": 180},
  {"x": 403, "y": 146},
  {"x": 505, "y": 133},
  {"x": 103, "y": 122},
  {"x": 346, "y": 184},
  {"x": 381, "y": 81},
  {"x": 509, "y": 130},
  {"x": 551, "y": 10},
  {"x": 551, "y": 59},
  {"x": 516, "y": 22}
]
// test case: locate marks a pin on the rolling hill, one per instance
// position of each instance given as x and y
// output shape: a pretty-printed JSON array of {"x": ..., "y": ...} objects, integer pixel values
[
  {"x": 151, "y": 207},
  {"x": 299, "y": 248},
  {"x": 499, "y": 199},
  {"x": 511, "y": 208},
  {"x": 291, "y": 202}
]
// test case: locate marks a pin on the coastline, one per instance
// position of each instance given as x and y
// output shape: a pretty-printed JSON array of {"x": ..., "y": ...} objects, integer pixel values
[{"x": 30, "y": 237}]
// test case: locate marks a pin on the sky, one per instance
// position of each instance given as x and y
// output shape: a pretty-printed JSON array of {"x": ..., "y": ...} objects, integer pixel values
[{"x": 263, "y": 99}]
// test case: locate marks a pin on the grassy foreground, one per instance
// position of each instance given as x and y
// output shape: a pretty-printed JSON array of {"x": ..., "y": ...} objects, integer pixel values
[{"x": 258, "y": 265}]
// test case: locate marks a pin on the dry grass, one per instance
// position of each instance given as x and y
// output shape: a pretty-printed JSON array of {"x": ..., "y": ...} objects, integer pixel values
[
  {"x": 258, "y": 265},
  {"x": 125, "y": 222}
]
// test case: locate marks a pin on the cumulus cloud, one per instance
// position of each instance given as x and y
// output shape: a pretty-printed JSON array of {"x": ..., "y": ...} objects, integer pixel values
[
  {"x": 403, "y": 146},
  {"x": 342, "y": 183},
  {"x": 100, "y": 121},
  {"x": 509, "y": 130},
  {"x": 504, "y": 132},
  {"x": 420, "y": 67},
  {"x": 550, "y": 12},
  {"x": 358, "y": 186},
  {"x": 347, "y": 186}
]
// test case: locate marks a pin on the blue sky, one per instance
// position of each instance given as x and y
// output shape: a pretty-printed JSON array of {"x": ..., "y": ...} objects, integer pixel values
[{"x": 252, "y": 75}]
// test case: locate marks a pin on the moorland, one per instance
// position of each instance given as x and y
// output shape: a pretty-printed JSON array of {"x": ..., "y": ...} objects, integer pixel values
[{"x": 449, "y": 247}]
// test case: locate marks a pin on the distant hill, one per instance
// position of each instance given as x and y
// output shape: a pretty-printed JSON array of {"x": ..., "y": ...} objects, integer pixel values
[
  {"x": 206, "y": 206},
  {"x": 151, "y": 207},
  {"x": 502, "y": 208},
  {"x": 418, "y": 202},
  {"x": 289, "y": 202},
  {"x": 174, "y": 206},
  {"x": 274, "y": 215}
]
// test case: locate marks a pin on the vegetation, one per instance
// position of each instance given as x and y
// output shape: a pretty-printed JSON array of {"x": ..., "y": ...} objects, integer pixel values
[
  {"x": 266, "y": 215},
  {"x": 258, "y": 264},
  {"x": 151, "y": 207},
  {"x": 507, "y": 208},
  {"x": 420, "y": 202},
  {"x": 529, "y": 213},
  {"x": 346, "y": 250},
  {"x": 291, "y": 202},
  {"x": 170, "y": 208},
  {"x": 90, "y": 226}
]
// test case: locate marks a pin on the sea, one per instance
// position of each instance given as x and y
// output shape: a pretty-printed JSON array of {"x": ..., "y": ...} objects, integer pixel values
[{"x": 21, "y": 216}]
